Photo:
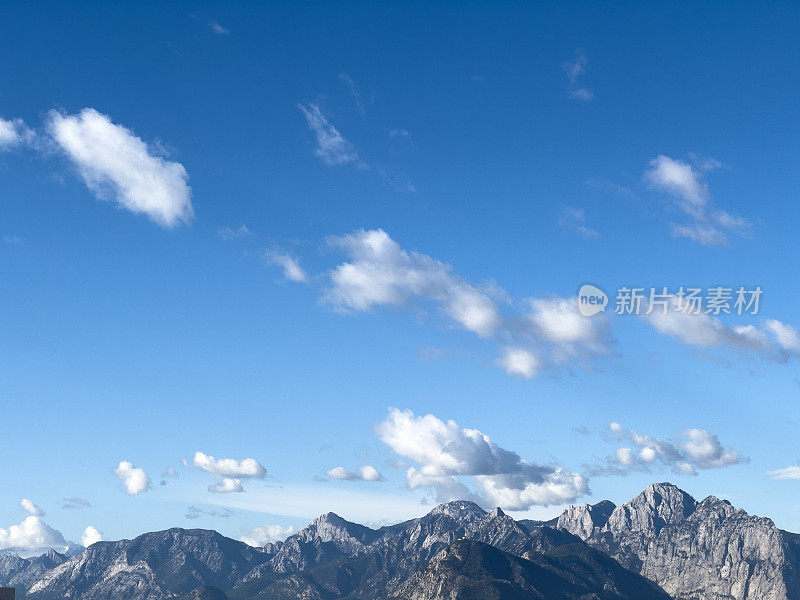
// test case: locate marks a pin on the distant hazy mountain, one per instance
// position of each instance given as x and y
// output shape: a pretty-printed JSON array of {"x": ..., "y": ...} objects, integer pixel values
[{"x": 661, "y": 541}]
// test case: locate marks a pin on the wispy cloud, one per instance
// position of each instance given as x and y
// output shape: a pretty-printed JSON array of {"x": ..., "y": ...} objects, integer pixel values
[
  {"x": 228, "y": 233},
  {"x": 792, "y": 472},
  {"x": 13, "y": 133},
  {"x": 290, "y": 265},
  {"x": 574, "y": 218},
  {"x": 575, "y": 69},
  {"x": 219, "y": 29},
  {"x": 353, "y": 89},
  {"x": 685, "y": 183},
  {"x": 29, "y": 507},
  {"x": 332, "y": 147},
  {"x": 76, "y": 503},
  {"x": 194, "y": 512}
]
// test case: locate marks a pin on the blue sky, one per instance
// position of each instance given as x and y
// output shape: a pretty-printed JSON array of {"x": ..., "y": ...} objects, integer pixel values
[{"x": 251, "y": 231}]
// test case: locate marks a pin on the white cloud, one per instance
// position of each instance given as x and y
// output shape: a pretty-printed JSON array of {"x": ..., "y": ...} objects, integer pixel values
[
  {"x": 229, "y": 233},
  {"x": 704, "y": 329},
  {"x": 378, "y": 272},
  {"x": 76, "y": 503},
  {"x": 363, "y": 473},
  {"x": 228, "y": 467},
  {"x": 268, "y": 534},
  {"x": 91, "y": 536},
  {"x": 13, "y": 133},
  {"x": 786, "y": 336},
  {"x": 445, "y": 452},
  {"x": 792, "y": 472},
  {"x": 32, "y": 534},
  {"x": 574, "y": 218},
  {"x": 698, "y": 449},
  {"x": 519, "y": 361},
  {"x": 291, "y": 266},
  {"x": 683, "y": 182},
  {"x": 229, "y": 472},
  {"x": 219, "y": 29},
  {"x": 575, "y": 69},
  {"x": 29, "y": 507},
  {"x": 351, "y": 86},
  {"x": 226, "y": 485},
  {"x": 114, "y": 163},
  {"x": 332, "y": 147},
  {"x": 775, "y": 341},
  {"x": 133, "y": 478},
  {"x": 382, "y": 273},
  {"x": 559, "y": 322}
]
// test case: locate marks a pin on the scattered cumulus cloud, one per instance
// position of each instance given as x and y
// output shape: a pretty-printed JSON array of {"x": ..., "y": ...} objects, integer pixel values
[
  {"x": 32, "y": 534},
  {"x": 363, "y": 473},
  {"x": 133, "y": 478},
  {"x": 91, "y": 536},
  {"x": 684, "y": 183},
  {"x": 445, "y": 453},
  {"x": 117, "y": 165},
  {"x": 545, "y": 333},
  {"x": 290, "y": 265},
  {"x": 267, "y": 534},
  {"x": 575, "y": 69},
  {"x": 332, "y": 147},
  {"x": 696, "y": 449},
  {"x": 229, "y": 472},
  {"x": 29, "y": 507}
]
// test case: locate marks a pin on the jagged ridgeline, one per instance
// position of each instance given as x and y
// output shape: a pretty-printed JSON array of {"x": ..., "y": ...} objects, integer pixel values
[{"x": 659, "y": 545}]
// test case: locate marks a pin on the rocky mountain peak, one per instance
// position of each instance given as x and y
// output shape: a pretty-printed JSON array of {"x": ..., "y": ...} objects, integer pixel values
[
  {"x": 460, "y": 510},
  {"x": 585, "y": 519},
  {"x": 658, "y": 505}
]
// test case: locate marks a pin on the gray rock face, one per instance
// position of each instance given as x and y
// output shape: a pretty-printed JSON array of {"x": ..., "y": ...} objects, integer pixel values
[
  {"x": 705, "y": 551},
  {"x": 21, "y": 573},
  {"x": 583, "y": 520},
  {"x": 381, "y": 560},
  {"x": 154, "y": 566},
  {"x": 469, "y": 570}
]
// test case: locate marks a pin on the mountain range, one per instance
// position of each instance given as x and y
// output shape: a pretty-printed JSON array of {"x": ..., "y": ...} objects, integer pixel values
[{"x": 662, "y": 544}]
